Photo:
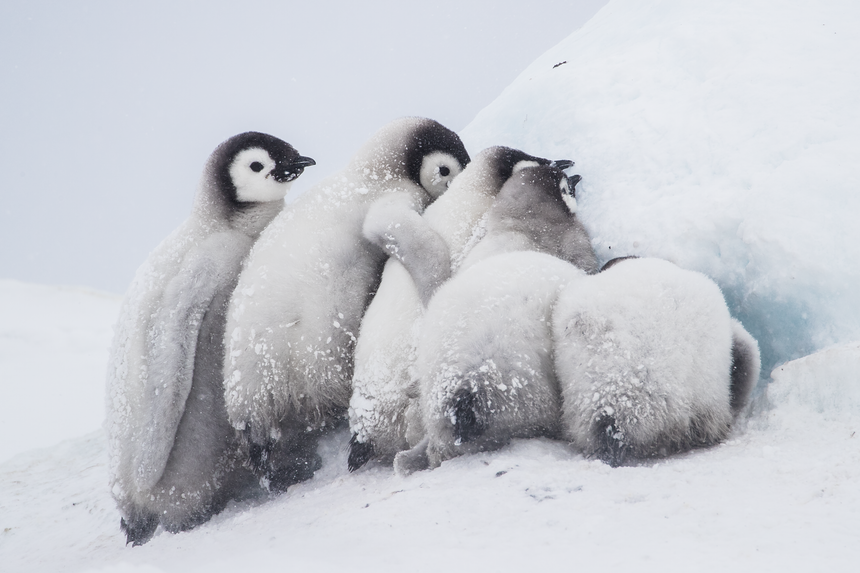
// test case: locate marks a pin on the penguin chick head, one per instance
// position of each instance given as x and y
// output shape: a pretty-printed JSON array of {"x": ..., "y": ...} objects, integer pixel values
[
  {"x": 255, "y": 167},
  {"x": 502, "y": 162},
  {"x": 432, "y": 154},
  {"x": 542, "y": 193}
]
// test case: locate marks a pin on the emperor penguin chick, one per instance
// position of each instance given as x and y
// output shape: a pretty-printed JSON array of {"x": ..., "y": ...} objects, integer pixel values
[
  {"x": 425, "y": 251},
  {"x": 173, "y": 454},
  {"x": 650, "y": 361},
  {"x": 484, "y": 360},
  {"x": 294, "y": 317}
]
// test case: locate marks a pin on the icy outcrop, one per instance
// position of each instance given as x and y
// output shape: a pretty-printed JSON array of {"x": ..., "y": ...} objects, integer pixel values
[{"x": 720, "y": 136}]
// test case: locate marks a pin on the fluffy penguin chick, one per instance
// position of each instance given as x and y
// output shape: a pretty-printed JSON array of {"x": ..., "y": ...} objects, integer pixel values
[
  {"x": 294, "y": 317},
  {"x": 644, "y": 354},
  {"x": 484, "y": 360},
  {"x": 172, "y": 451},
  {"x": 424, "y": 250}
]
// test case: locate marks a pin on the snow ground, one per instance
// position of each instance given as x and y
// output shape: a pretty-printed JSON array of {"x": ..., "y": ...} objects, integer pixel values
[
  {"x": 779, "y": 495},
  {"x": 53, "y": 351},
  {"x": 718, "y": 135}
]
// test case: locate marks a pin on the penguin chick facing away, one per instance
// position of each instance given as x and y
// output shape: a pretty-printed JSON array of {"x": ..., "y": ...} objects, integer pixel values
[
  {"x": 484, "y": 362},
  {"x": 650, "y": 362},
  {"x": 173, "y": 456},
  {"x": 424, "y": 251},
  {"x": 294, "y": 317}
]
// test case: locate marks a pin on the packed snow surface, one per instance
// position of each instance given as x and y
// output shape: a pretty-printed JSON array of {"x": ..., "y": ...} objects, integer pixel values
[
  {"x": 720, "y": 135},
  {"x": 53, "y": 356}
]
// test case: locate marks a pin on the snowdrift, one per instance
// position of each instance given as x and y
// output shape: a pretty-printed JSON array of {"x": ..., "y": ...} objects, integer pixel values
[
  {"x": 53, "y": 355},
  {"x": 721, "y": 136}
]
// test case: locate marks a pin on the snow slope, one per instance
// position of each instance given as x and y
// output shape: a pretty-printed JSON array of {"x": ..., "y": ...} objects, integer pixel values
[
  {"x": 722, "y": 136},
  {"x": 53, "y": 355},
  {"x": 699, "y": 128}
]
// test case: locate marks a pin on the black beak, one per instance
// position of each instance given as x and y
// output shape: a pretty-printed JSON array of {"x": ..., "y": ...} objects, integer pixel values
[
  {"x": 292, "y": 170},
  {"x": 561, "y": 164},
  {"x": 572, "y": 181}
]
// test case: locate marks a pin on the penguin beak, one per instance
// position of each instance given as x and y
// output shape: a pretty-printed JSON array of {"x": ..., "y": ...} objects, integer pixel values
[
  {"x": 561, "y": 164},
  {"x": 572, "y": 181},
  {"x": 292, "y": 170}
]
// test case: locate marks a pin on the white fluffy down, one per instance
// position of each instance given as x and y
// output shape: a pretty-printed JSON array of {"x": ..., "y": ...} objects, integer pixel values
[
  {"x": 488, "y": 331},
  {"x": 646, "y": 348},
  {"x": 386, "y": 348}
]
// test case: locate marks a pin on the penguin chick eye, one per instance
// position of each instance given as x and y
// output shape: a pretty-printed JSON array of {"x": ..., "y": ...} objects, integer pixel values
[
  {"x": 444, "y": 171},
  {"x": 256, "y": 166}
]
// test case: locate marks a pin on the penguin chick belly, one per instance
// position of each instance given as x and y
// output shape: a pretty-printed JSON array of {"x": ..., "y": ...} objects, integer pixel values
[
  {"x": 643, "y": 355},
  {"x": 485, "y": 356}
]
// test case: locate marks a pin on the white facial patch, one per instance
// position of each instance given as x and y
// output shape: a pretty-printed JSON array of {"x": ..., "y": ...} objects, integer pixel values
[
  {"x": 522, "y": 164},
  {"x": 567, "y": 196},
  {"x": 438, "y": 169},
  {"x": 251, "y": 174}
]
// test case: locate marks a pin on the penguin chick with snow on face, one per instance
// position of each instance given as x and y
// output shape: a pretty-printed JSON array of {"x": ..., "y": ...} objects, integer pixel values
[
  {"x": 425, "y": 250},
  {"x": 484, "y": 360},
  {"x": 172, "y": 450},
  {"x": 650, "y": 361},
  {"x": 295, "y": 315}
]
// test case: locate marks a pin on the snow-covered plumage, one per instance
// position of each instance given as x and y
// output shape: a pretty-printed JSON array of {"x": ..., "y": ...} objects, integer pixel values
[
  {"x": 484, "y": 360},
  {"x": 172, "y": 450},
  {"x": 424, "y": 251},
  {"x": 644, "y": 355},
  {"x": 295, "y": 314}
]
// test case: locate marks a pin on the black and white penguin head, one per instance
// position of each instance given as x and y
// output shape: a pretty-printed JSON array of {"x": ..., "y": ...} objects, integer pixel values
[
  {"x": 255, "y": 167},
  {"x": 543, "y": 188},
  {"x": 434, "y": 156},
  {"x": 503, "y": 162},
  {"x": 421, "y": 150}
]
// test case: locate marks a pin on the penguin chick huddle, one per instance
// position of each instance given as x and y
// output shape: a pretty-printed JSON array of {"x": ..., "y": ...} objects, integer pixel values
[{"x": 437, "y": 304}]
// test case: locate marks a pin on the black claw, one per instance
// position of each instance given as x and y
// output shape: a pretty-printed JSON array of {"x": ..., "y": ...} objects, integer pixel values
[
  {"x": 299, "y": 469},
  {"x": 611, "y": 449},
  {"x": 468, "y": 425},
  {"x": 139, "y": 528},
  {"x": 359, "y": 453}
]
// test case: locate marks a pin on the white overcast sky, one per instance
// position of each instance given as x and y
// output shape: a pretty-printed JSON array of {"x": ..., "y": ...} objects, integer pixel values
[{"x": 109, "y": 109}]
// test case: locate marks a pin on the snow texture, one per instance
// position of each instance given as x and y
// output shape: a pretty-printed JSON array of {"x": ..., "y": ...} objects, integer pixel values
[
  {"x": 720, "y": 136},
  {"x": 52, "y": 341}
]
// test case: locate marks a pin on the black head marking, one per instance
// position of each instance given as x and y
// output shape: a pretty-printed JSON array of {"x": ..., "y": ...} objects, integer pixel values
[
  {"x": 289, "y": 164},
  {"x": 506, "y": 158},
  {"x": 428, "y": 137}
]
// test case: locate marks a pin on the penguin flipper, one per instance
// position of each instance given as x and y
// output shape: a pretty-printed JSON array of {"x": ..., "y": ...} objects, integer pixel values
[
  {"x": 172, "y": 348},
  {"x": 746, "y": 367},
  {"x": 393, "y": 224}
]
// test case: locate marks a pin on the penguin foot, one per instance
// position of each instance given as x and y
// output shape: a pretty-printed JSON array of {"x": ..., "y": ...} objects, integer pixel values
[
  {"x": 611, "y": 449},
  {"x": 359, "y": 453},
  {"x": 294, "y": 471},
  {"x": 410, "y": 461},
  {"x": 468, "y": 425},
  {"x": 139, "y": 528}
]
